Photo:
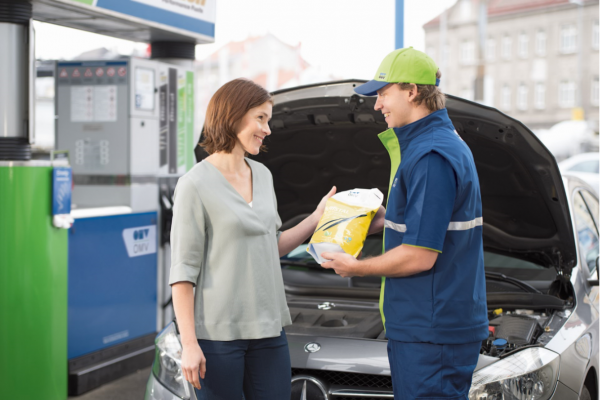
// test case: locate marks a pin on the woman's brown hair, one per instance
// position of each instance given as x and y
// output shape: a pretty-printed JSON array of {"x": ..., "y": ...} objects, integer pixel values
[{"x": 225, "y": 109}]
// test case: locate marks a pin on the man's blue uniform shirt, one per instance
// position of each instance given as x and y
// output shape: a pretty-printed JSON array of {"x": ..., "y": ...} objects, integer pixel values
[{"x": 434, "y": 202}]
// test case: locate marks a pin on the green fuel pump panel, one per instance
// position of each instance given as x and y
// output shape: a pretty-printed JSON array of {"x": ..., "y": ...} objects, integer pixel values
[{"x": 33, "y": 286}]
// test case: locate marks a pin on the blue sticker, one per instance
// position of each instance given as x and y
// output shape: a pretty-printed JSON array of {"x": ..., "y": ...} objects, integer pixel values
[{"x": 61, "y": 190}]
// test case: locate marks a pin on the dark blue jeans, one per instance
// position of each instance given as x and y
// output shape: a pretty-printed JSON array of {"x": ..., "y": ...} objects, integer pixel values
[
  {"x": 260, "y": 368},
  {"x": 432, "y": 371}
]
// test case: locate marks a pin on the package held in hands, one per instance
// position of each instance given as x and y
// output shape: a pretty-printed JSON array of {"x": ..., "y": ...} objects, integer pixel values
[{"x": 345, "y": 223}]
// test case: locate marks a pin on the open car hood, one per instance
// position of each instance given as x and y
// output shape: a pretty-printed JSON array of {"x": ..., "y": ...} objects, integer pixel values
[{"x": 325, "y": 135}]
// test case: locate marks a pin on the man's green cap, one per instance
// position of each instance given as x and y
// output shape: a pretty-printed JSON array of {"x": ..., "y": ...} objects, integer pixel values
[{"x": 405, "y": 65}]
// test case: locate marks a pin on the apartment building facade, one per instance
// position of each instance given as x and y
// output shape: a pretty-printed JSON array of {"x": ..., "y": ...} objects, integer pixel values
[{"x": 534, "y": 53}]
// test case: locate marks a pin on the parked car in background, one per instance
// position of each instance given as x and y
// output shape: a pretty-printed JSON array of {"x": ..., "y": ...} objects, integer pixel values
[
  {"x": 585, "y": 166},
  {"x": 569, "y": 138},
  {"x": 541, "y": 257}
]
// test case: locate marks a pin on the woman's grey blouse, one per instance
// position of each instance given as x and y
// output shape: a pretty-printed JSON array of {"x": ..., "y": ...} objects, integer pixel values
[{"x": 228, "y": 250}]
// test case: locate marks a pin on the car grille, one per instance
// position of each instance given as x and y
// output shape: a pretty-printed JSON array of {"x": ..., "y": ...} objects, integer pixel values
[{"x": 349, "y": 379}]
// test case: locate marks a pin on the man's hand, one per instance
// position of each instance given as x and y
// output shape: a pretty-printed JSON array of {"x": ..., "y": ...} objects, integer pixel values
[{"x": 343, "y": 264}]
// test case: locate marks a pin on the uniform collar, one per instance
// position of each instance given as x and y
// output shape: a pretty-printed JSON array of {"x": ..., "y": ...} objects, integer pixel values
[{"x": 414, "y": 129}]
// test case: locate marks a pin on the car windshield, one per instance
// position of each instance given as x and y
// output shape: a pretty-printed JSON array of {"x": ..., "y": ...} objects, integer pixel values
[{"x": 498, "y": 263}]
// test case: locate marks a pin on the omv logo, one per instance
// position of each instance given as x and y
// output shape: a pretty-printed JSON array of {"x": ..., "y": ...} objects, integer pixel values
[{"x": 140, "y": 241}]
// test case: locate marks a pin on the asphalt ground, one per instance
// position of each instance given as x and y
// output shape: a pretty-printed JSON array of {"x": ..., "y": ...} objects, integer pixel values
[{"x": 130, "y": 387}]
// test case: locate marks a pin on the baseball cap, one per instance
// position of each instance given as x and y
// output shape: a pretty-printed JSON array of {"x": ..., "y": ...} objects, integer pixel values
[{"x": 403, "y": 65}]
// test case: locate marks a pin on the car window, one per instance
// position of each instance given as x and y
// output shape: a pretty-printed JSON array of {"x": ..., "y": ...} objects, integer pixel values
[
  {"x": 587, "y": 233},
  {"x": 586, "y": 166}
]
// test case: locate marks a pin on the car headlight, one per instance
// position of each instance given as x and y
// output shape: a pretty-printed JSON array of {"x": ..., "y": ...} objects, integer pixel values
[
  {"x": 167, "y": 362},
  {"x": 530, "y": 374}
]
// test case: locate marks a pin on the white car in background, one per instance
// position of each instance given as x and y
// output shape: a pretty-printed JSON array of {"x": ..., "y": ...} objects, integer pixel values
[
  {"x": 584, "y": 166},
  {"x": 569, "y": 138}
]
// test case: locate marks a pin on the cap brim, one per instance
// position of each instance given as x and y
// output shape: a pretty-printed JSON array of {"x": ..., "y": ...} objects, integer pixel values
[{"x": 370, "y": 88}]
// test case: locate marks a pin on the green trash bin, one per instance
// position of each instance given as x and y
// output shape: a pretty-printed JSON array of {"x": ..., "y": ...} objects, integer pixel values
[{"x": 33, "y": 285}]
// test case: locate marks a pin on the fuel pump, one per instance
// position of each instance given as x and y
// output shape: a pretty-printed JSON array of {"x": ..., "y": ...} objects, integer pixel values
[{"x": 128, "y": 125}]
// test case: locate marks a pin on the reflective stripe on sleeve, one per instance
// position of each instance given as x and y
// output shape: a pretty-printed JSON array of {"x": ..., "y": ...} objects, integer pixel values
[
  {"x": 454, "y": 226},
  {"x": 397, "y": 227},
  {"x": 466, "y": 225}
]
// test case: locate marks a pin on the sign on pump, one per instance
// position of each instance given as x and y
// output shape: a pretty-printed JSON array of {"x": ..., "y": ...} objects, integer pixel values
[{"x": 140, "y": 240}]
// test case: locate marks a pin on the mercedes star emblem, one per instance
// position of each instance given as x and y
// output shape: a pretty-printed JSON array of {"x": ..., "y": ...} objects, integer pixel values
[
  {"x": 312, "y": 347},
  {"x": 308, "y": 388}
]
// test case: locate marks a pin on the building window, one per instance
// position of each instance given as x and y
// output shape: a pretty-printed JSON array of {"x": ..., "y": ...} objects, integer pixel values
[
  {"x": 595, "y": 35},
  {"x": 566, "y": 94},
  {"x": 540, "y": 96},
  {"x": 431, "y": 52},
  {"x": 522, "y": 97},
  {"x": 505, "y": 101},
  {"x": 595, "y": 91},
  {"x": 446, "y": 55},
  {"x": 540, "y": 43},
  {"x": 490, "y": 49},
  {"x": 467, "y": 52},
  {"x": 568, "y": 39},
  {"x": 506, "y": 47},
  {"x": 523, "y": 45}
]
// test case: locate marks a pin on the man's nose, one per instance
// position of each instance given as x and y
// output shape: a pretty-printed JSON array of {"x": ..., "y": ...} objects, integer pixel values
[{"x": 378, "y": 105}]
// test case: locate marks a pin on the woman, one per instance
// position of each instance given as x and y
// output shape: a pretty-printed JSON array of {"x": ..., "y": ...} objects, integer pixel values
[{"x": 225, "y": 243}]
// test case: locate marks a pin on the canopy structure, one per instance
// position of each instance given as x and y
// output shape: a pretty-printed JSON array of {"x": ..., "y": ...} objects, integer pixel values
[{"x": 191, "y": 21}]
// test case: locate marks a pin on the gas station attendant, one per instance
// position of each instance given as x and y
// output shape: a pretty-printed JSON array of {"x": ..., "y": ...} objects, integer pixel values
[
  {"x": 226, "y": 244},
  {"x": 433, "y": 300}
]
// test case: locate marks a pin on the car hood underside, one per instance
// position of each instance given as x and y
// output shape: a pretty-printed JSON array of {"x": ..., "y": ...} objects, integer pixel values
[{"x": 325, "y": 135}]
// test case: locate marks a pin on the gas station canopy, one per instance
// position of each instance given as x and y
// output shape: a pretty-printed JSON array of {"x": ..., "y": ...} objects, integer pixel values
[{"x": 147, "y": 21}]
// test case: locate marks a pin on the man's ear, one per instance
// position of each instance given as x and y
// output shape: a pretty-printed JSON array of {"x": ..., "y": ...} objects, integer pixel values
[{"x": 413, "y": 92}]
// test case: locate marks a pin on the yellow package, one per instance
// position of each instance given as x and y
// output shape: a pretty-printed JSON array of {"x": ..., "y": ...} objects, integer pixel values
[{"x": 345, "y": 223}]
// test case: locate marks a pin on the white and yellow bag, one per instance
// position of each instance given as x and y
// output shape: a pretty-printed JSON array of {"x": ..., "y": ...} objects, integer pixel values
[{"x": 345, "y": 223}]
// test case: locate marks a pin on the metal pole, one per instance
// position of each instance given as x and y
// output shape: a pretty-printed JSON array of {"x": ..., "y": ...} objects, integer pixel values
[
  {"x": 399, "y": 24},
  {"x": 16, "y": 64},
  {"x": 443, "y": 33},
  {"x": 481, "y": 39},
  {"x": 580, "y": 56}
]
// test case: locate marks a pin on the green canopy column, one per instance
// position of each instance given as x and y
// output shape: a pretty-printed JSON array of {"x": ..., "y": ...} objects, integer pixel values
[{"x": 33, "y": 286}]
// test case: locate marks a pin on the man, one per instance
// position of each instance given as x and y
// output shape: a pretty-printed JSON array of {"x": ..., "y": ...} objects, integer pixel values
[{"x": 433, "y": 299}]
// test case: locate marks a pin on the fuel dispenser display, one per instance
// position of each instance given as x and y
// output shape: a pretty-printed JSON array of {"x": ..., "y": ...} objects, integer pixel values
[{"x": 128, "y": 126}]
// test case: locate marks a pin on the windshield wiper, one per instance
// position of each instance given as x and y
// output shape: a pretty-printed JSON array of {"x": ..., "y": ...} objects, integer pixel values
[
  {"x": 501, "y": 277},
  {"x": 305, "y": 264}
]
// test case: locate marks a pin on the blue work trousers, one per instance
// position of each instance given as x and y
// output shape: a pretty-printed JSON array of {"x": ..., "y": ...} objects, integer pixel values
[
  {"x": 258, "y": 368},
  {"x": 432, "y": 371}
]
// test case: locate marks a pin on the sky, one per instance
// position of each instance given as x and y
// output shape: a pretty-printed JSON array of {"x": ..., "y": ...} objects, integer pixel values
[{"x": 345, "y": 38}]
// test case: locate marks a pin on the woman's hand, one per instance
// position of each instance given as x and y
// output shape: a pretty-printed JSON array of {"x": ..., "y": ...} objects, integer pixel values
[
  {"x": 321, "y": 207},
  {"x": 295, "y": 236},
  {"x": 193, "y": 364}
]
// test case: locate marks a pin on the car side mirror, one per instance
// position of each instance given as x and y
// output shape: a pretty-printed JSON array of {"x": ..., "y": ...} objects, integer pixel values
[{"x": 594, "y": 282}]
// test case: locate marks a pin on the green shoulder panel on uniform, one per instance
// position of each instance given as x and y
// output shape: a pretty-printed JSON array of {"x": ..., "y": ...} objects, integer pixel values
[{"x": 391, "y": 144}]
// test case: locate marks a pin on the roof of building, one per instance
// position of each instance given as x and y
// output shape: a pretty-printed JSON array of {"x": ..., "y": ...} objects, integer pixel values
[
  {"x": 498, "y": 8},
  {"x": 238, "y": 48}
]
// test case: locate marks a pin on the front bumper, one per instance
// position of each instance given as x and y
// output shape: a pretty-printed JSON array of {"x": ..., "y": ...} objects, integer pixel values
[{"x": 562, "y": 392}]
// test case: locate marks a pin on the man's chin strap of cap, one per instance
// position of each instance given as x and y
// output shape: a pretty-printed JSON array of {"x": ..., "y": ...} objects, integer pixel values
[{"x": 437, "y": 82}]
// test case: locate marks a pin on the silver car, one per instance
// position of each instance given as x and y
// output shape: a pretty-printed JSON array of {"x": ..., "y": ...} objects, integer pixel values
[{"x": 541, "y": 257}]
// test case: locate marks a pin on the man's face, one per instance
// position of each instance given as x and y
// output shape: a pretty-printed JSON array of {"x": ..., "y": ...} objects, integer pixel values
[{"x": 394, "y": 104}]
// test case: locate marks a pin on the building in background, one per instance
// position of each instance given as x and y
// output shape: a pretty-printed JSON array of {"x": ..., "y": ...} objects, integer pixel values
[
  {"x": 265, "y": 60},
  {"x": 530, "y": 58}
]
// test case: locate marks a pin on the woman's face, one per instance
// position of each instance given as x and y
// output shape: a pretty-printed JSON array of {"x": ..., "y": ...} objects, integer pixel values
[{"x": 254, "y": 128}]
